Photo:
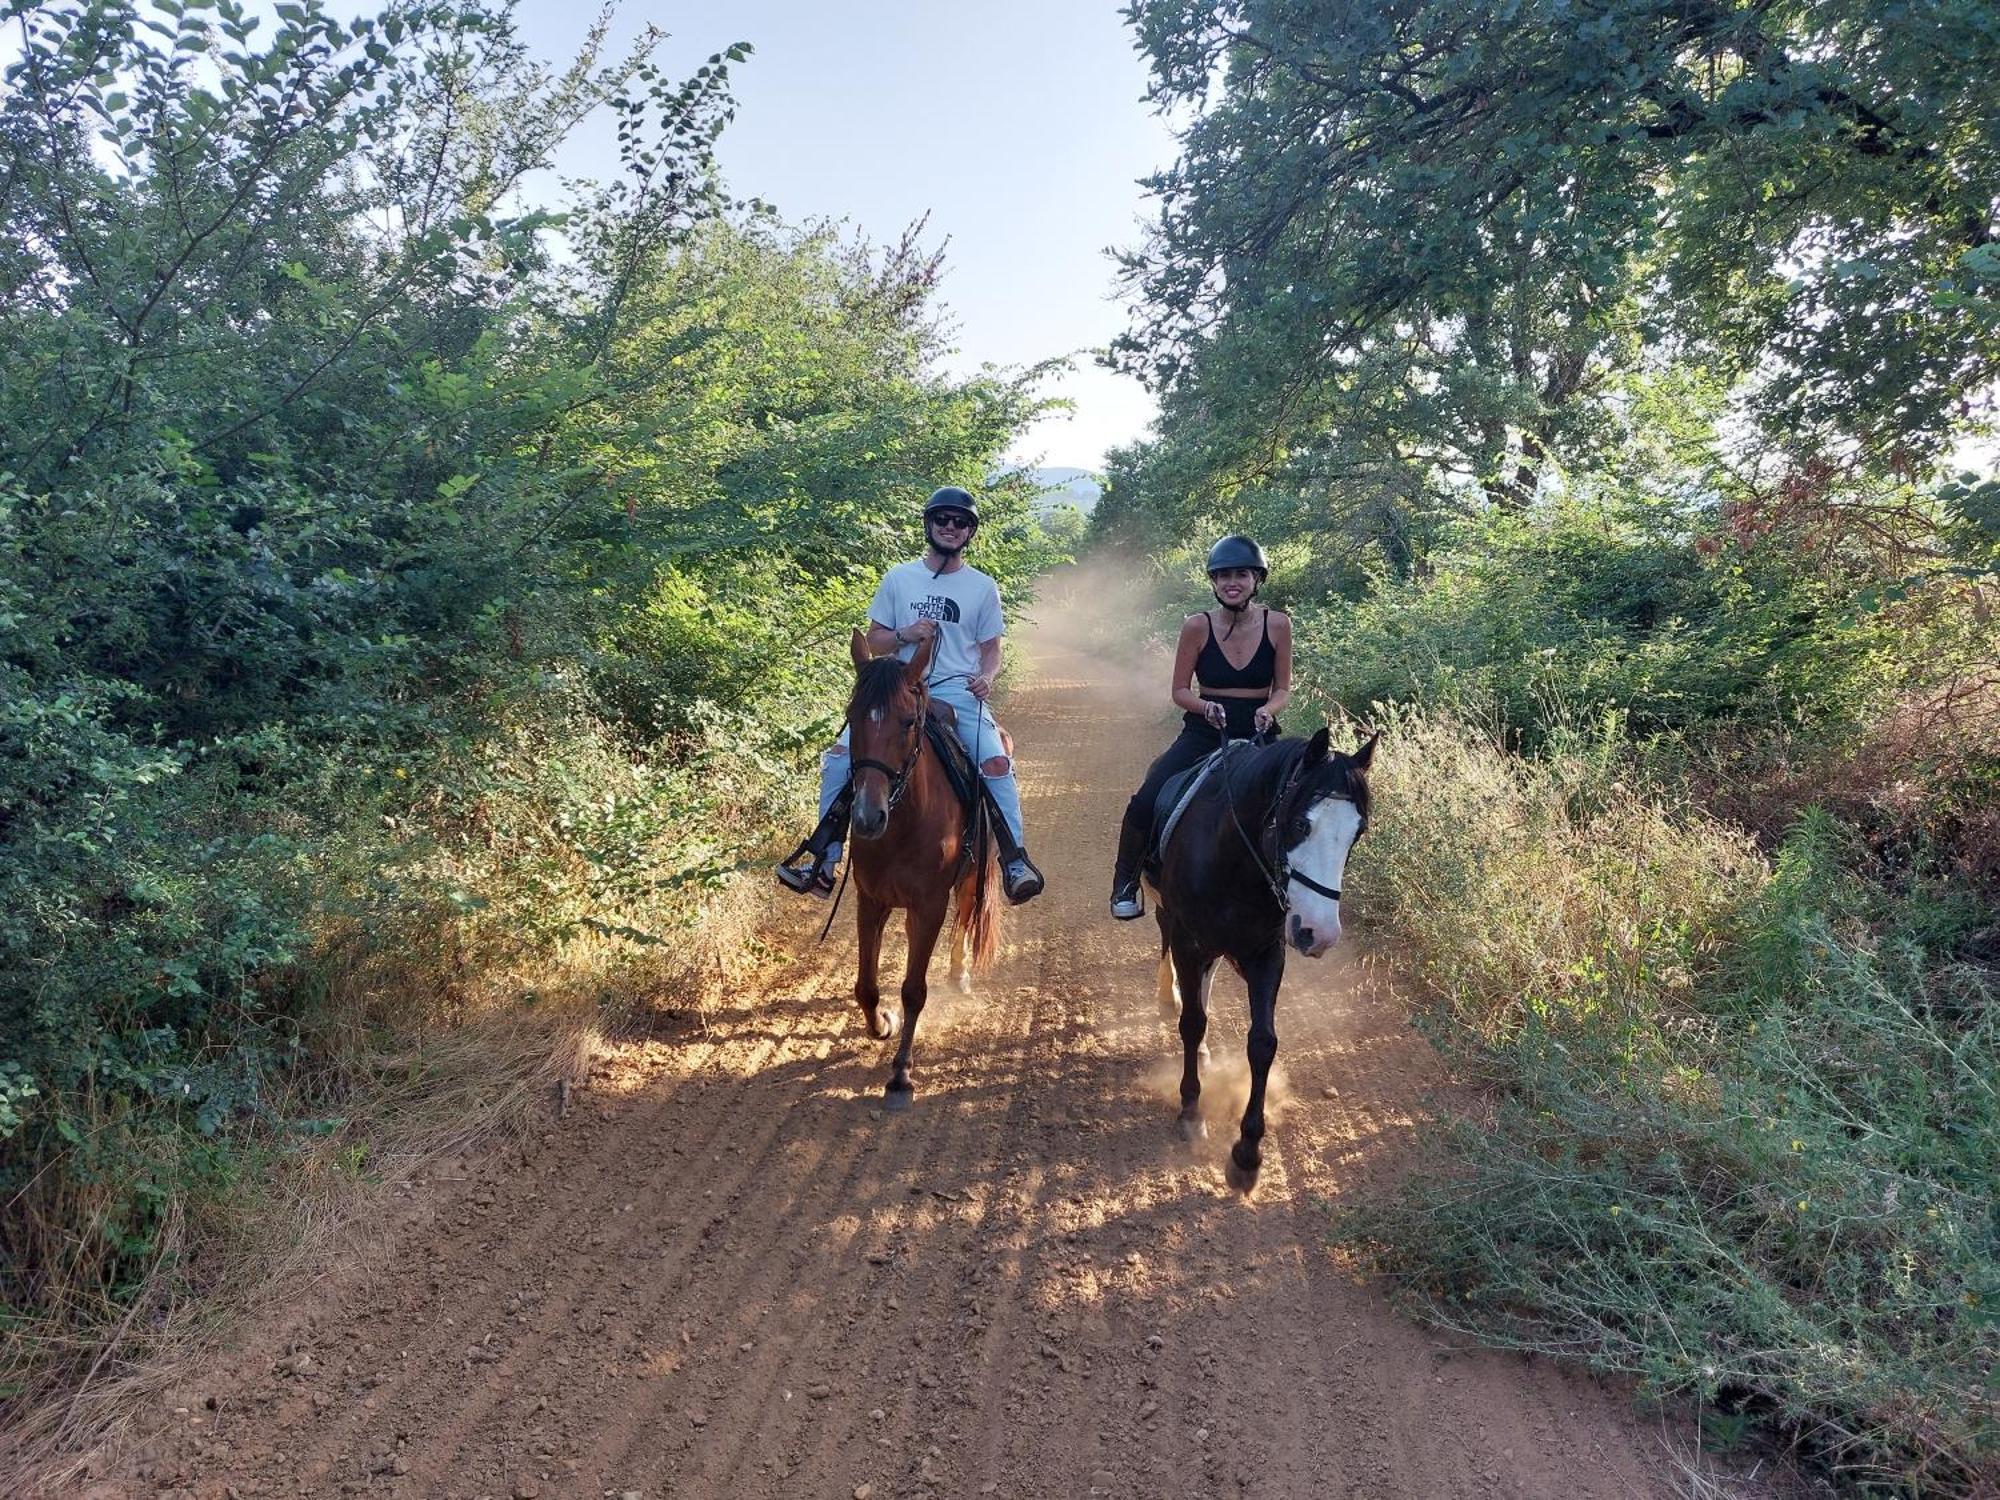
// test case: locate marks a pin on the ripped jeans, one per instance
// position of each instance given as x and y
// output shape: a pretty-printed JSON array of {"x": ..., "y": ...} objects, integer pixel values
[{"x": 977, "y": 731}]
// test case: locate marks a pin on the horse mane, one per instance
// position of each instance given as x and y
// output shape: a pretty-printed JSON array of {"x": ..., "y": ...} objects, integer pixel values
[
  {"x": 1272, "y": 765},
  {"x": 877, "y": 683}
]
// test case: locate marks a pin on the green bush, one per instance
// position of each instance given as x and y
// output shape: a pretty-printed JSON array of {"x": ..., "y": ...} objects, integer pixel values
[
  {"x": 391, "y": 575},
  {"x": 1748, "y": 1143}
]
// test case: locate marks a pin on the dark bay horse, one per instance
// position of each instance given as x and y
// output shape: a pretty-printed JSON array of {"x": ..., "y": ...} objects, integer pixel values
[
  {"x": 911, "y": 848},
  {"x": 1253, "y": 867}
]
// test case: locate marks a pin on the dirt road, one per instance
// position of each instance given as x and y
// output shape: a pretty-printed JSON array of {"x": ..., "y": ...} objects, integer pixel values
[{"x": 727, "y": 1273}]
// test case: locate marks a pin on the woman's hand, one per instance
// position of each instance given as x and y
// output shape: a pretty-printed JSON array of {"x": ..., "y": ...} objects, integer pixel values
[
  {"x": 1263, "y": 718},
  {"x": 1216, "y": 714}
]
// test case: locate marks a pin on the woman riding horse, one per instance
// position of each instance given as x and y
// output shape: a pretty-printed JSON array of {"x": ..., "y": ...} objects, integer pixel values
[{"x": 1243, "y": 689}]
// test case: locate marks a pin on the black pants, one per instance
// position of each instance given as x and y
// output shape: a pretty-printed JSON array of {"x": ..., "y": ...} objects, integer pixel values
[{"x": 1196, "y": 742}]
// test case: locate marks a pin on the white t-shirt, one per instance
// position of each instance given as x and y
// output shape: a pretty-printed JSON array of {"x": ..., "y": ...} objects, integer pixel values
[{"x": 965, "y": 602}]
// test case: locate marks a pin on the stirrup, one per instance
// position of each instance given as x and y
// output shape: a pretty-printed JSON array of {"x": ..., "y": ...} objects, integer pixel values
[
  {"x": 807, "y": 880},
  {"x": 813, "y": 878},
  {"x": 1020, "y": 879}
]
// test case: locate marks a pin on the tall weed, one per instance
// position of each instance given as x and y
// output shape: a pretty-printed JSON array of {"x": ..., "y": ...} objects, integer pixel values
[{"x": 1747, "y": 1143}]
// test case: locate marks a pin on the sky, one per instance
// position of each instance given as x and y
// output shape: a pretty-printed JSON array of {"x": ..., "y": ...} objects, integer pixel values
[{"x": 1019, "y": 126}]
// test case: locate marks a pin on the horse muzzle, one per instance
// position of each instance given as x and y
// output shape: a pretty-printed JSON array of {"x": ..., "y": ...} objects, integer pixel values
[
  {"x": 1311, "y": 941},
  {"x": 870, "y": 818}
]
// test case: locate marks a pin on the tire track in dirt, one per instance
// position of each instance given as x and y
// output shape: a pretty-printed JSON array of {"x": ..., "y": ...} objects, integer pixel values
[{"x": 729, "y": 1273}]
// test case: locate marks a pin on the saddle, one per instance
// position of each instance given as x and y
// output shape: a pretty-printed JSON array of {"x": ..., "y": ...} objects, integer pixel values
[
  {"x": 1175, "y": 794},
  {"x": 941, "y": 726}
]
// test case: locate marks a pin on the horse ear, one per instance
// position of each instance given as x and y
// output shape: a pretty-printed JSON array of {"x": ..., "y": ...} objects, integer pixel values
[
  {"x": 857, "y": 647},
  {"x": 918, "y": 667},
  {"x": 1366, "y": 753},
  {"x": 1316, "y": 749}
]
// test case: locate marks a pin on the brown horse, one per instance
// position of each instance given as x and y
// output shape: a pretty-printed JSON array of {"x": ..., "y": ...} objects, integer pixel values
[{"x": 911, "y": 848}]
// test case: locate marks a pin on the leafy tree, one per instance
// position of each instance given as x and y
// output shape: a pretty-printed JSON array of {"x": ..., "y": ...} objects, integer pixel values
[
  {"x": 1440, "y": 237},
  {"x": 378, "y": 552}
]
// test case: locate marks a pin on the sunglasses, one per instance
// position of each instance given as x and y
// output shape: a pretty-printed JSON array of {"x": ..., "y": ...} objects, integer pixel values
[{"x": 955, "y": 519}]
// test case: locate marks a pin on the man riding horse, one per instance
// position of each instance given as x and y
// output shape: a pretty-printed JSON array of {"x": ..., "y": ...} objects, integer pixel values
[{"x": 939, "y": 596}]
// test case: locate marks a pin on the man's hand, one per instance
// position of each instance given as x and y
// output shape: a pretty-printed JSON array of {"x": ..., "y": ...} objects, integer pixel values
[
  {"x": 916, "y": 632},
  {"x": 978, "y": 684}
]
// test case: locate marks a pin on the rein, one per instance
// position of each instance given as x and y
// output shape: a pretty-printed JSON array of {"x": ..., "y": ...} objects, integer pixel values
[{"x": 1278, "y": 888}]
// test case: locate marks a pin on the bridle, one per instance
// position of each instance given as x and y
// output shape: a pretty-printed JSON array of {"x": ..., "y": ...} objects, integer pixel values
[
  {"x": 1280, "y": 889},
  {"x": 899, "y": 777}
]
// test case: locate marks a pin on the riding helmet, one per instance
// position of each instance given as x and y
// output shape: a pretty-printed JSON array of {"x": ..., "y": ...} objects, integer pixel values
[
  {"x": 1238, "y": 552},
  {"x": 950, "y": 497}
]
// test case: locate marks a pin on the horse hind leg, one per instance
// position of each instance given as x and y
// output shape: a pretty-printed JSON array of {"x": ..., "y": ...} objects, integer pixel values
[
  {"x": 960, "y": 970},
  {"x": 1193, "y": 970},
  {"x": 1164, "y": 990}
]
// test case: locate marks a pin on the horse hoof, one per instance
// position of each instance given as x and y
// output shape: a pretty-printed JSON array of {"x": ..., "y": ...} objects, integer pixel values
[
  {"x": 898, "y": 1101},
  {"x": 1242, "y": 1178},
  {"x": 885, "y": 1025},
  {"x": 962, "y": 983},
  {"x": 1193, "y": 1128}
]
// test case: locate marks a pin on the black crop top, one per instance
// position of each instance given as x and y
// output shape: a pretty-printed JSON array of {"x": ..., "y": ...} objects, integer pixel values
[{"x": 1212, "y": 670}]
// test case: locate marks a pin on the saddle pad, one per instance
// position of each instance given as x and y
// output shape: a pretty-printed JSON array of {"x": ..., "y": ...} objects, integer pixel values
[
  {"x": 1174, "y": 797},
  {"x": 953, "y": 756}
]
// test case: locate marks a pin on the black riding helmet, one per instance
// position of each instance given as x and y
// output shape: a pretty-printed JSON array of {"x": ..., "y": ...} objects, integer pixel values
[
  {"x": 1238, "y": 552},
  {"x": 950, "y": 497}
]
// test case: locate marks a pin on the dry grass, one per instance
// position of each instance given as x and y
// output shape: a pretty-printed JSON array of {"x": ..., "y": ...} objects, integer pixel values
[{"x": 1545, "y": 888}]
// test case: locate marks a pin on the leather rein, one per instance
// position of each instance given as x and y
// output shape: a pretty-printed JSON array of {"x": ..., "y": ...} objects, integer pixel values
[{"x": 1280, "y": 889}]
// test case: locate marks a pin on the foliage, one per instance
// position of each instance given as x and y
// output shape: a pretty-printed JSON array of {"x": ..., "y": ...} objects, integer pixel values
[
  {"x": 1417, "y": 248},
  {"x": 1632, "y": 615},
  {"x": 1747, "y": 1146},
  {"x": 1596, "y": 376},
  {"x": 386, "y": 564}
]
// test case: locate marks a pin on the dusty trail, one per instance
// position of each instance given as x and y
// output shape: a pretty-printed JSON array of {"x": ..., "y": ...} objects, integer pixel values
[{"x": 727, "y": 1273}]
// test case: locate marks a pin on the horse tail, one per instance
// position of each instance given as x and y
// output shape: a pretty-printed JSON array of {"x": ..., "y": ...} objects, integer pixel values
[{"x": 979, "y": 903}]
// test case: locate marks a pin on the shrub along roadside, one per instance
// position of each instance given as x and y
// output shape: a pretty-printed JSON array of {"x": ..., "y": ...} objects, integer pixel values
[
  {"x": 1747, "y": 1144},
  {"x": 408, "y": 600}
]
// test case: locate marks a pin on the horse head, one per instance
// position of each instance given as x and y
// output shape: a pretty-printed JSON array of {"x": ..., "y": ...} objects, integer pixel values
[
  {"x": 1322, "y": 811},
  {"x": 885, "y": 730}
]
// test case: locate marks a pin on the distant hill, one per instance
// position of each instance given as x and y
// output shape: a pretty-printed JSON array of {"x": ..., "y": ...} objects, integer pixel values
[{"x": 1066, "y": 487}]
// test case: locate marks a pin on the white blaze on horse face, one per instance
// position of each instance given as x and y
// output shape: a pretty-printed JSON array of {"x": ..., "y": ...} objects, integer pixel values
[{"x": 1334, "y": 824}]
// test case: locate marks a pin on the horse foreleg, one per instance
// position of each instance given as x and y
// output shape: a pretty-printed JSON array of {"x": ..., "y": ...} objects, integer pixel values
[
  {"x": 921, "y": 927},
  {"x": 1192, "y": 968},
  {"x": 870, "y": 917},
  {"x": 1262, "y": 974}
]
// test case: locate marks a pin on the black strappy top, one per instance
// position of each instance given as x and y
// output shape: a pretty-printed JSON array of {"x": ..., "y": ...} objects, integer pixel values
[{"x": 1213, "y": 670}]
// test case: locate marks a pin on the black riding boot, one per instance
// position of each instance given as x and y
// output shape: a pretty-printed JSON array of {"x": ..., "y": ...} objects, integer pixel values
[
  {"x": 812, "y": 877},
  {"x": 1127, "y": 899},
  {"x": 1018, "y": 876}
]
